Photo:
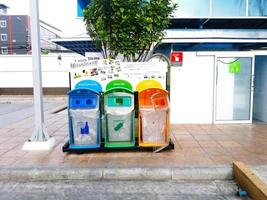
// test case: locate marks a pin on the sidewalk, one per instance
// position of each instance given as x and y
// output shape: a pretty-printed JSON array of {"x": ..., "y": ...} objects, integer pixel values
[{"x": 195, "y": 145}]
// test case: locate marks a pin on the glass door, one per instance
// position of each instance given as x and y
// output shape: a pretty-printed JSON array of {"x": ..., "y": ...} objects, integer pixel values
[{"x": 233, "y": 102}]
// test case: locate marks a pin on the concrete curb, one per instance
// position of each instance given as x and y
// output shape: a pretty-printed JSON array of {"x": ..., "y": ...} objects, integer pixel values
[
  {"x": 96, "y": 174},
  {"x": 202, "y": 173},
  {"x": 137, "y": 174}
]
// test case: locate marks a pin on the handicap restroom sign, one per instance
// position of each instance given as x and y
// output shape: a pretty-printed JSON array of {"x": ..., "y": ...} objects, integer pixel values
[{"x": 235, "y": 67}]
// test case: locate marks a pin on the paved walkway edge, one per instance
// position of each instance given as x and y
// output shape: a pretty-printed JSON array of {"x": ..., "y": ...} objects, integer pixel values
[{"x": 95, "y": 174}]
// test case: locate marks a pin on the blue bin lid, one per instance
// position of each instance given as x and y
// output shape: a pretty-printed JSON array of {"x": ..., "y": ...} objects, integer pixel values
[{"x": 89, "y": 85}]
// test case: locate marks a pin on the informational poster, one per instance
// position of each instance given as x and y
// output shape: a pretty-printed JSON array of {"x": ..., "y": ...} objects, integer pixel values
[{"x": 107, "y": 70}]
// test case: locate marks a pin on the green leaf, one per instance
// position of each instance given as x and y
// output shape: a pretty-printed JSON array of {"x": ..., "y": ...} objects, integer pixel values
[{"x": 127, "y": 27}]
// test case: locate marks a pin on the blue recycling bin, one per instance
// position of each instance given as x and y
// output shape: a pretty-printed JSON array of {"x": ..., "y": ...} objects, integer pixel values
[{"x": 84, "y": 115}]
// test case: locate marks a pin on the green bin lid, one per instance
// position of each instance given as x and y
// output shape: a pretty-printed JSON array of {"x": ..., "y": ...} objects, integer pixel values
[{"x": 119, "y": 85}]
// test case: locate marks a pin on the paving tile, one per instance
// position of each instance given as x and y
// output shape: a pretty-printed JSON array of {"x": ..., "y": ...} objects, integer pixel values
[
  {"x": 220, "y": 137},
  {"x": 249, "y": 159},
  {"x": 229, "y": 144},
  {"x": 35, "y": 154},
  {"x": 160, "y": 162},
  {"x": 194, "y": 145},
  {"x": 90, "y": 162},
  {"x": 222, "y": 159},
  {"x": 178, "y": 132},
  {"x": 8, "y": 146},
  {"x": 177, "y": 127},
  {"x": 4, "y": 139},
  {"x": 189, "y": 144},
  {"x": 17, "y": 154},
  {"x": 124, "y": 162},
  {"x": 215, "y": 131},
  {"x": 194, "y": 151},
  {"x": 7, "y": 161},
  {"x": 209, "y": 143},
  {"x": 17, "y": 140},
  {"x": 2, "y": 151},
  {"x": 183, "y": 137},
  {"x": 18, "y": 131},
  {"x": 202, "y": 137},
  {"x": 24, "y": 161},
  {"x": 4, "y": 130},
  {"x": 216, "y": 151},
  {"x": 208, "y": 127},
  {"x": 192, "y": 127},
  {"x": 197, "y": 131}
]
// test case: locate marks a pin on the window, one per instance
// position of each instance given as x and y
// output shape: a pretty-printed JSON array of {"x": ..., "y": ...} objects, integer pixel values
[
  {"x": 228, "y": 8},
  {"x": 81, "y": 5},
  {"x": 257, "y": 8},
  {"x": 3, "y": 37},
  {"x": 192, "y": 8},
  {"x": 4, "y": 50},
  {"x": 2, "y": 23}
]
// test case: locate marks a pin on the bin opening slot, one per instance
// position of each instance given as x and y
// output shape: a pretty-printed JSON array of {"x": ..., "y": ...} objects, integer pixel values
[
  {"x": 159, "y": 100},
  {"x": 114, "y": 101},
  {"x": 89, "y": 102},
  {"x": 119, "y": 101},
  {"x": 83, "y": 102}
]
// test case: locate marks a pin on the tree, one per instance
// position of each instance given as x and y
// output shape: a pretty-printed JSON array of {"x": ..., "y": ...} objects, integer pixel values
[{"x": 127, "y": 27}]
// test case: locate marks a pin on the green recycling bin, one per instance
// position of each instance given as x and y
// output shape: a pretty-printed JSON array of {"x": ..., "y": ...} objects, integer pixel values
[{"x": 119, "y": 114}]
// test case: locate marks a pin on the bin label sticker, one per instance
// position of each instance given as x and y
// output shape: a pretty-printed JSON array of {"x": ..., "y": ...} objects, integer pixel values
[{"x": 118, "y": 126}]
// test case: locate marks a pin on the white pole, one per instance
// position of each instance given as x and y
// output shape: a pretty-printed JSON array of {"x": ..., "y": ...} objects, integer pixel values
[{"x": 40, "y": 140}]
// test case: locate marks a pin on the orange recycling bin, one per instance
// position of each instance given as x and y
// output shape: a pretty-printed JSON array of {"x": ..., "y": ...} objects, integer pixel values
[{"x": 154, "y": 114}]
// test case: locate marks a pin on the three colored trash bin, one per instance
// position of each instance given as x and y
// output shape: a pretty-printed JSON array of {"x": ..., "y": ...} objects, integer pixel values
[
  {"x": 85, "y": 124},
  {"x": 84, "y": 115},
  {"x": 119, "y": 114},
  {"x": 153, "y": 114}
]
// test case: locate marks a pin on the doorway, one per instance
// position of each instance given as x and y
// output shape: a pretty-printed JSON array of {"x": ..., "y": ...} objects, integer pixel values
[
  {"x": 233, "y": 97},
  {"x": 260, "y": 90}
]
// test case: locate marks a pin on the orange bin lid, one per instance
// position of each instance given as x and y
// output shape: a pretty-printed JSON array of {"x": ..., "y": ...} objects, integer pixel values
[{"x": 151, "y": 93}]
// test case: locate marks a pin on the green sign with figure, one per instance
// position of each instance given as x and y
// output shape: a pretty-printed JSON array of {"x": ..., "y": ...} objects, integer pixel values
[{"x": 235, "y": 67}]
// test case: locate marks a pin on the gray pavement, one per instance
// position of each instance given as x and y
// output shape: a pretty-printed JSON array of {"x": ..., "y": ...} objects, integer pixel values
[
  {"x": 116, "y": 190},
  {"x": 14, "y": 111}
]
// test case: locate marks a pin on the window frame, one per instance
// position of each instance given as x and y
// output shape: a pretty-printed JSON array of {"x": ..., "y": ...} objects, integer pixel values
[
  {"x": 2, "y": 36},
  {"x": 3, "y": 23},
  {"x": 4, "y": 50}
]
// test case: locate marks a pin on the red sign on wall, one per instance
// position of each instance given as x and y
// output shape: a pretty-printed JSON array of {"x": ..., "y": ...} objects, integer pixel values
[{"x": 176, "y": 58}]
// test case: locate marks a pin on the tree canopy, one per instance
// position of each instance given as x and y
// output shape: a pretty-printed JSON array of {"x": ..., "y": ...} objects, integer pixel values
[{"x": 127, "y": 27}]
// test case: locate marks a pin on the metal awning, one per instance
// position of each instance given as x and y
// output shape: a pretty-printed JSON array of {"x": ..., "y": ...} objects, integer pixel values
[
  {"x": 215, "y": 35},
  {"x": 215, "y": 40},
  {"x": 189, "y": 40},
  {"x": 208, "y": 46},
  {"x": 78, "y": 45}
]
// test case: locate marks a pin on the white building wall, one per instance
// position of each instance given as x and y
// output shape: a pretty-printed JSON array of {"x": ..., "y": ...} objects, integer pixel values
[
  {"x": 192, "y": 90},
  {"x": 16, "y": 71},
  {"x": 60, "y": 13}
]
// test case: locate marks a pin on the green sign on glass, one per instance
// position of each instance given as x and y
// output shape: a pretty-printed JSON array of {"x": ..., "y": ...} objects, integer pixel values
[{"x": 235, "y": 67}]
